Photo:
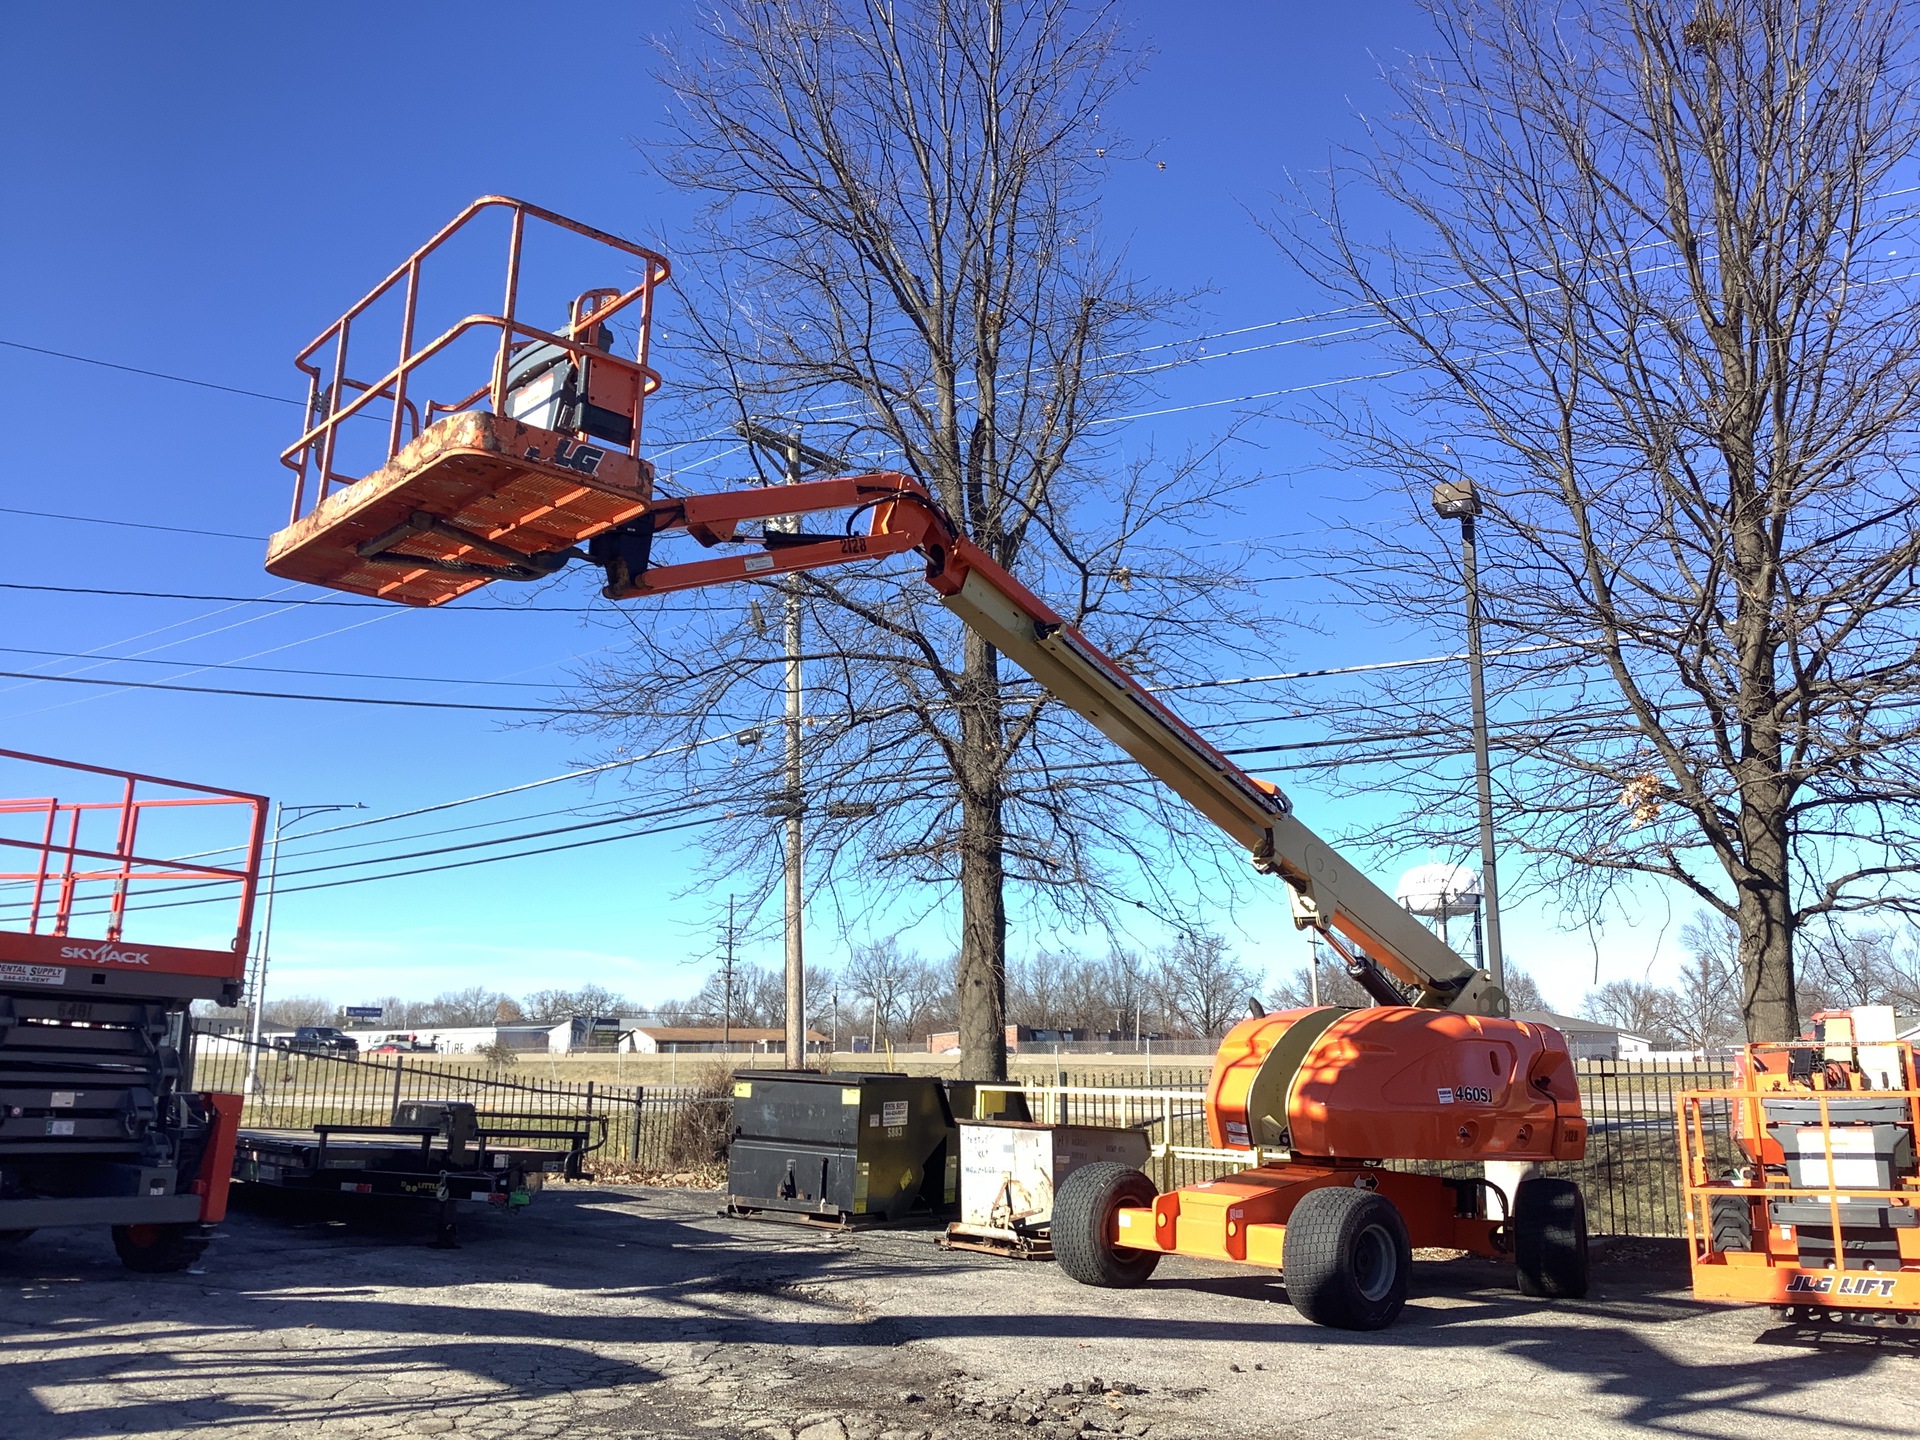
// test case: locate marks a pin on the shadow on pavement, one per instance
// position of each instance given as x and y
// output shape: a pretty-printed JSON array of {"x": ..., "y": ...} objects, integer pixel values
[{"x": 601, "y": 1283}]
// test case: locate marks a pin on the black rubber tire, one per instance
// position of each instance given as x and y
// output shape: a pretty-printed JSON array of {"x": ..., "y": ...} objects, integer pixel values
[
  {"x": 159, "y": 1249},
  {"x": 1346, "y": 1258},
  {"x": 13, "y": 1237},
  {"x": 1732, "y": 1220},
  {"x": 1083, "y": 1211},
  {"x": 1550, "y": 1239}
]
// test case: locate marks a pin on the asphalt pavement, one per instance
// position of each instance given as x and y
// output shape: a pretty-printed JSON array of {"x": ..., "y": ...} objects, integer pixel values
[{"x": 613, "y": 1311}]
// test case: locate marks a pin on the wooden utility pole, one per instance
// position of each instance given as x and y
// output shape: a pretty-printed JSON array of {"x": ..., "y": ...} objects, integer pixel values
[{"x": 797, "y": 461}]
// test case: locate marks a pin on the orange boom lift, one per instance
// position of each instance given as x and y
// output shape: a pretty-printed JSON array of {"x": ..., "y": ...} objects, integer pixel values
[{"x": 512, "y": 480}]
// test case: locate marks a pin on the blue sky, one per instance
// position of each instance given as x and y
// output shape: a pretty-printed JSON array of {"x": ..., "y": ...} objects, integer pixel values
[{"x": 198, "y": 189}]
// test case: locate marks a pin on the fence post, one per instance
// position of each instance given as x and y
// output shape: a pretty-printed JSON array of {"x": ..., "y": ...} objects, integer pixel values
[
  {"x": 1166, "y": 1143},
  {"x": 399, "y": 1064},
  {"x": 633, "y": 1141}
]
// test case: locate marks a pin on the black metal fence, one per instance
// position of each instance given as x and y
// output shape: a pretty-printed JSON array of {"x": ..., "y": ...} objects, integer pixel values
[
  {"x": 297, "y": 1089},
  {"x": 1631, "y": 1173}
]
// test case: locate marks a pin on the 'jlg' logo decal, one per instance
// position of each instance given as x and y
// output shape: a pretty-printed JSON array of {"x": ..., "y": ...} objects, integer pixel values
[
  {"x": 571, "y": 455},
  {"x": 1840, "y": 1285}
]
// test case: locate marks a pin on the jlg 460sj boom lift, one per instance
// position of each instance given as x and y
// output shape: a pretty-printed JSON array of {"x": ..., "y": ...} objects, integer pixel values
[{"x": 1318, "y": 1097}]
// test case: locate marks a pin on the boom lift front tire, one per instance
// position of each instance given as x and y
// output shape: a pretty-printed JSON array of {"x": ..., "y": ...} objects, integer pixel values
[
  {"x": 1345, "y": 1258},
  {"x": 1083, "y": 1224},
  {"x": 1550, "y": 1239},
  {"x": 159, "y": 1249}
]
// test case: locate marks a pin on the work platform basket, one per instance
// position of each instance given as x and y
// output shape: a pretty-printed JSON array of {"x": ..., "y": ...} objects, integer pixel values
[{"x": 418, "y": 498}]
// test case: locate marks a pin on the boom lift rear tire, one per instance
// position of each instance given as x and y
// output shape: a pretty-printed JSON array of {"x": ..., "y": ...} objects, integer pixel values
[
  {"x": 1083, "y": 1224},
  {"x": 1345, "y": 1258},
  {"x": 1550, "y": 1239},
  {"x": 159, "y": 1249}
]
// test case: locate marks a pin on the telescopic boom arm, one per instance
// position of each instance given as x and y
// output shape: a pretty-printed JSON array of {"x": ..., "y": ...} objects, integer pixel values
[{"x": 1328, "y": 894}]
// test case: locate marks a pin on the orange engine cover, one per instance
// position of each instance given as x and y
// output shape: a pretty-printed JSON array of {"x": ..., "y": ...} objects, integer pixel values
[{"x": 1396, "y": 1083}]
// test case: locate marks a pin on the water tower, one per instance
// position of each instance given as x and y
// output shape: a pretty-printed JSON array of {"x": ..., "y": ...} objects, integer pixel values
[{"x": 1440, "y": 892}]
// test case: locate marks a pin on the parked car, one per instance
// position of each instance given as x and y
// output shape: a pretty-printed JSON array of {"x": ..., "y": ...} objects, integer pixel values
[
  {"x": 322, "y": 1040},
  {"x": 405, "y": 1045}
]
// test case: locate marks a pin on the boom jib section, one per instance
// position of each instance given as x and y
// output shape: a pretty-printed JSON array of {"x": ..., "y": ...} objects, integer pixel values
[
  {"x": 1395, "y": 1082},
  {"x": 491, "y": 450}
]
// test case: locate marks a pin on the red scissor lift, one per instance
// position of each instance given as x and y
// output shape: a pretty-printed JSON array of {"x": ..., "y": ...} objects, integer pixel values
[{"x": 102, "y": 953}]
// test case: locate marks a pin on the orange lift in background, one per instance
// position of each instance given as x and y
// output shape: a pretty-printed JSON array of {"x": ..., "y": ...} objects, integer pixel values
[
  {"x": 1801, "y": 1178},
  {"x": 514, "y": 478}
]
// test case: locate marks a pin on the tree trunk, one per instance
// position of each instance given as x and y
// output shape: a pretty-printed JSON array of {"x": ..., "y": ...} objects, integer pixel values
[
  {"x": 1768, "y": 1004},
  {"x": 982, "y": 981}
]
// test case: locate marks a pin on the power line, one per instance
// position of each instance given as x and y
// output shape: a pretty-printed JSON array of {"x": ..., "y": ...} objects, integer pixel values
[
  {"x": 274, "y": 669},
  {"x": 152, "y": 374},
  {"x": 585, "y": 772},
  {"x": 96, "y": 590},
  {"x": 286, "y": 695},
  {"x": 130, "y": 524},
  {"x": 450, "y": 865}
]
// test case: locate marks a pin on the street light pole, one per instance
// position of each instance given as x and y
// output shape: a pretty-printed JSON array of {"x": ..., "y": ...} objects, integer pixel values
[
  {"x": 797, "y": 460},
  {"x": 257, "y": 990},
  {"x": 1458, "y": 500}
]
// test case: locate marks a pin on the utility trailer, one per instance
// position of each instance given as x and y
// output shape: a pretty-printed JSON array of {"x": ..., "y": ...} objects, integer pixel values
[
  {"x": 443, "y": 1151},
  {"x": 99, "y": 1124}
]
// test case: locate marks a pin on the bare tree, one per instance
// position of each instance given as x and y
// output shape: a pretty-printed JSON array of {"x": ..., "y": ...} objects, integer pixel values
[
  {"x": 1703, "y": 1009},
  {"x": 1650, "y": 284},
  {"x": 1126, "y": 978},
  {"x": 555, "y": 1005},
  {"x": 1861, "y": 967},
  {"x": 1636, "y": 1006},
  {"x": 885, "y": 980},
  {"x": 1203, "y": 987},
  {"x": 1523, "y": 991},
  {"x": 476, "y": 1005},
  {"x": 930, "y": 1001},
  {"x": 1334, "y": 987},
  {"x": 901, "y": 242},
  {"x": 1034, "y": 991},
  {"x": 297, "y": 1010}
]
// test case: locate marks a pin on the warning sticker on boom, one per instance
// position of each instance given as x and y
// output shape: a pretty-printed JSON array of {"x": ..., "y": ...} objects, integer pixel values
[{"x": 11, "y": 974}]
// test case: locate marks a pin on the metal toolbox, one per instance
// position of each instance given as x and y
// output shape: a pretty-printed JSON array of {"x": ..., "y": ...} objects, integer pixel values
[{"x": 841, "y": 1147}]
